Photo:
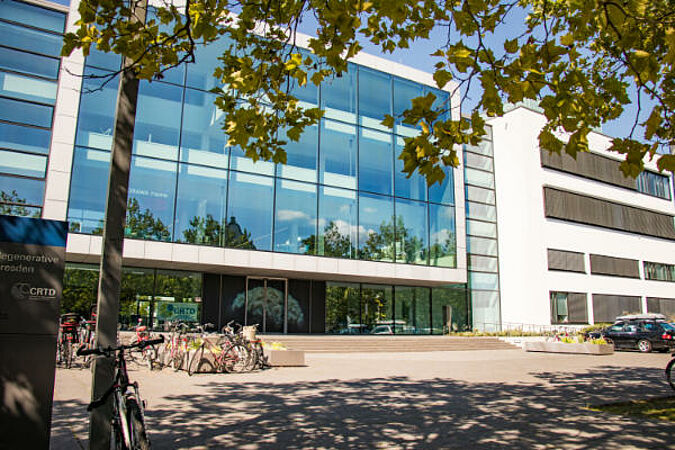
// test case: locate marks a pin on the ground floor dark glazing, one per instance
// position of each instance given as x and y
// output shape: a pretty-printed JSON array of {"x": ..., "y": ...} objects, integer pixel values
[{"x": 156, "y": 297}]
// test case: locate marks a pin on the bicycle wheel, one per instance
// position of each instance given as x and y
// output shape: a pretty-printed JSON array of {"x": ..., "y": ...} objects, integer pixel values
[
  {"x": 139, "y": 437},
  {"x": 177, "y": 359},
  {"x": 201, "y": 362},
  {"x": 235, "y": 358},
  {"x": 67, "y": 355},
  {"x": 670, "y": 373},
  {"x": 150, "y": 356}
]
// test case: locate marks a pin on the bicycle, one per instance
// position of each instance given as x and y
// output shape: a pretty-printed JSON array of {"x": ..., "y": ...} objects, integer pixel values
[
  {"x": 223, "y": 355},
  {"x": 69, "y": 325},
  {"x": 148, "y": 352},
  {"x": 173, "y": 352},
  {"x": 670, "y": 372},
  {"x": 128, "y": 419},
  {"x": 88, "y": 337}
]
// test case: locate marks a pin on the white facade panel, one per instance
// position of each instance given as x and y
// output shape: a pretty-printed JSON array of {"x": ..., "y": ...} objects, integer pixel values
[{"x": 525, "y": 233}]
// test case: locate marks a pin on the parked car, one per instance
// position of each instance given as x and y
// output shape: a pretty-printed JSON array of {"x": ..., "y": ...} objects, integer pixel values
[{"x": 643, "y": 332}]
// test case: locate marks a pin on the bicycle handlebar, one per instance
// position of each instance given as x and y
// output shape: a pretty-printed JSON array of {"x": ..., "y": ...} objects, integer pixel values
[{"x": 107, "y": 351}]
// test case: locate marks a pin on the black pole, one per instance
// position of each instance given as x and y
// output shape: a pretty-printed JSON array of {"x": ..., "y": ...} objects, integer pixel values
[{"x": 110, "y": 274}]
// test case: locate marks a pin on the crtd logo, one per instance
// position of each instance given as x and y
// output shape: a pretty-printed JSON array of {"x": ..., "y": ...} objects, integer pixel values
[{"x": 24, "y": 291}]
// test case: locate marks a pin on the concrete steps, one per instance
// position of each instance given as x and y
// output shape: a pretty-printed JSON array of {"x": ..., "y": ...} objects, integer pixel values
[{"x": 373, "y": 344}]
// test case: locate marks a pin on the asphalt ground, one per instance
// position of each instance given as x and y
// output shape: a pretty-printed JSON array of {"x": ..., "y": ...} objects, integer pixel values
[{"x": 478, "y": 399}]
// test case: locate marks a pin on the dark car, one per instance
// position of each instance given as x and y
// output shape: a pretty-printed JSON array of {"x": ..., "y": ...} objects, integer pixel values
[{"x": 643, "y": 333}]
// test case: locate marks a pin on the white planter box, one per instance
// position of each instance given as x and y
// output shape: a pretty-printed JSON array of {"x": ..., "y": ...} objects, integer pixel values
[
  {"x": 561, "y": 347},
  {"x": 285, "y": 358}
]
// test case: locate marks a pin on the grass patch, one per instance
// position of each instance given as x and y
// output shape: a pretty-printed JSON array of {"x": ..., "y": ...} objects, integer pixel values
[{"x": 662, "y": 408}]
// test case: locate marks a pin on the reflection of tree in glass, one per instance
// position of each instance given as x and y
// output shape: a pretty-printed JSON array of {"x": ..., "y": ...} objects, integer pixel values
[
  {"x": 330, "y": 243},
  {"x": 444, "y": 253},
  {"x": 272, "y": 302},
  {"x": 80, "y": 287},
  {"x": 13, "y": 205},
  {"x": 143, "y": 225},
  {"x": 211, "y": 232},
  {"x": 342, "y": 309},
  {"x": 380, "y": 245}
]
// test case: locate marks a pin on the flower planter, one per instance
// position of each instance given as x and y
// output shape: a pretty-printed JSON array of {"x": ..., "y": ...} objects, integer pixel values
[
  {"x": 285, "y": 358},
  {"x": 562, "y": 347}
]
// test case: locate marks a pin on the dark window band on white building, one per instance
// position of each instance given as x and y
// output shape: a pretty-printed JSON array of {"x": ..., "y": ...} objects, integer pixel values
[
  {"x": 659, "y": 271},
  {"x": 566, "y": 261},
  {"x": 579, "y": 208},
  {"x": 661, "y": 305},
  {"x": 606, "y": 308},
  {"x": 568, "y": 307},
  {"x": 617, "y": 267},
  {"x": 602, "y": 168}
]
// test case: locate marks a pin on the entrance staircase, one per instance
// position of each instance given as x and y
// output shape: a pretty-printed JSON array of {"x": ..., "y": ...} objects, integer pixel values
[{"x": 372, "y": 344}]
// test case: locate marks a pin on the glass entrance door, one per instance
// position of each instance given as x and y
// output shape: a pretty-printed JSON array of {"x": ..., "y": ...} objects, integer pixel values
[{"x": 266, "y": 302}]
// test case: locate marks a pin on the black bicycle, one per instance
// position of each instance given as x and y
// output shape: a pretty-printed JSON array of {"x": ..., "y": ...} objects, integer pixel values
[
  {"x": 128, "y": 422},
  {"x": 670, "y": 376}
]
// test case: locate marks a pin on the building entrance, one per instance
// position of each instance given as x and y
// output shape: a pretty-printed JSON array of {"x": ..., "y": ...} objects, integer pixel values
[{"x": 266, "y": 304}]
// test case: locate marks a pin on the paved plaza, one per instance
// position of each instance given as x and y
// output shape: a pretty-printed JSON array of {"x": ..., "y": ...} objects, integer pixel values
[{"x": 461, "y": 399}]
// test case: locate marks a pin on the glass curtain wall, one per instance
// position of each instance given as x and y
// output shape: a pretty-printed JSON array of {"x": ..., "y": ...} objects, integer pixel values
[
  {"x": 341, "y": 194},
  {"x": 151, "y": 297},
  {"x": 481, "y": 230},
  {"x": 384, "y": 309},
  {"x": 29, "y": 69}
]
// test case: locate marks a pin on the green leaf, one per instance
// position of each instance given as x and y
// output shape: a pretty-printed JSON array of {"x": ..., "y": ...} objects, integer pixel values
[
  {"x": 441, "y": 77},
  {"x": 388, "y": 121}
]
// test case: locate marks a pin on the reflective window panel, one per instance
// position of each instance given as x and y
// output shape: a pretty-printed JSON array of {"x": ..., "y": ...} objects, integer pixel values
[
  {"x": 27, "y": 113},
  {"x": 18, "y": 61},
  {"x": 96, "y": 120},
  {"x": 21, "y": 190},
  {"x": 375, "y": 162},
  {"x": 27, "y": 88},
  {"x": 23, "y": 164},
  {"x": 301, "y": 157},
  {"x": 338, "y": 96},
  {"x": 152, "y": 190},
  {"x": 376, "y": 228},
  {"x": 477, "y": 228},
  {"x": 88, "y": 190},
  {"x": 412, "y": 245},
  {"x": 479, "y": 178},
  {"x": 338, "y": 154},
  {"x": 158, "y": 120},
  {"x": 254, "y": 218},
  {"x": 36, "y": 41},
  {"x": 203, "y": 140},
  {"x": 338, "y": 231},
  {"x": 376, "y": 308},
  {"x": 200, "y": 207},
  {"x": 23, "y": 13},
  {"x": 412, "y": 310},
  {"x": 442, "y": 236},
  {"x": 374, "y": 97},
  {"x": 445, "y": 191},
  {"x": 29, "y": 139},
  {"x": 343, "y": 308},
  {"x": 449, "y": 309},
  {"x": 200, "y": 74},
  {"x": 414, "y": 187},
  {"x": 295, "y": 223}
]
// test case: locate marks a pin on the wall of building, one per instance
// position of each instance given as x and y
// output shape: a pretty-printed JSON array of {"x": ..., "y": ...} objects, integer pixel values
[{"x": 525, "y": 233}]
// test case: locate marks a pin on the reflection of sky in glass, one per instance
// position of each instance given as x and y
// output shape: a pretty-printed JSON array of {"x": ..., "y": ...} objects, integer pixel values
[
  {"x": 251, "y": 204},
  {"x": 295, "y": 216}
]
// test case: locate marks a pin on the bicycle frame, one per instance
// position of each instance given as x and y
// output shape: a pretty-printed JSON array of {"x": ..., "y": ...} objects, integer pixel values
[{"x": 121, "y": 389}]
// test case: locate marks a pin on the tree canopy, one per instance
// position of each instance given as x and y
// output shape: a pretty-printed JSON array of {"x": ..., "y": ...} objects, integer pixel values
[{"x": 579, "y": 59}]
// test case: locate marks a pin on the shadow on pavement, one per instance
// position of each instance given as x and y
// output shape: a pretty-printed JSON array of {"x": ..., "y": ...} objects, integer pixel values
[{"x": 398, "y": 412}]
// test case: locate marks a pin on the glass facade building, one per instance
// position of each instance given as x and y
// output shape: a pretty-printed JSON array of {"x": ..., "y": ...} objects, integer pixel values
[
  {"x": 30, "y": 47},
  {"x": 341, "y": 193}
]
